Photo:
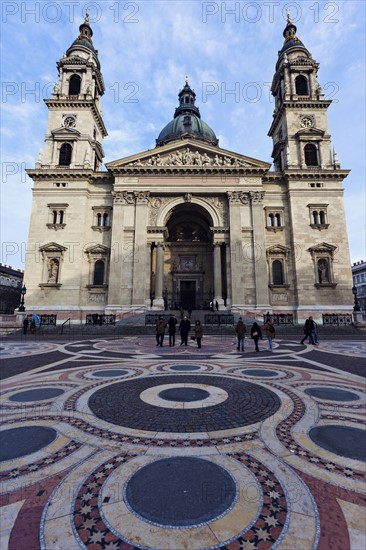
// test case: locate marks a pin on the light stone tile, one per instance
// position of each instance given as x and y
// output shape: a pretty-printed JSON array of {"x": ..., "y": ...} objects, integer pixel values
[
  {"x": 302, "y": 529},
  {"x": 58, "y": 534}
]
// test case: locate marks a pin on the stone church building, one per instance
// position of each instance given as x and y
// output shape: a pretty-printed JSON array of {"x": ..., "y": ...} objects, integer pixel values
[{"x": 188, "y": 222}]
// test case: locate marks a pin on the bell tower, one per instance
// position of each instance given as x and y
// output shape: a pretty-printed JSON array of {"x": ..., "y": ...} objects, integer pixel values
[
  {"x": 299, "y": 129},
  {"x": 76, "y": 129}
]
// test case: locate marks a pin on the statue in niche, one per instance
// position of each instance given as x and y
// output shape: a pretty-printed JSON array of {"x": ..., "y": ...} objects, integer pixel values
[
  {"x": 323, "y": 271},
  {"x": 53, "y": 271}
]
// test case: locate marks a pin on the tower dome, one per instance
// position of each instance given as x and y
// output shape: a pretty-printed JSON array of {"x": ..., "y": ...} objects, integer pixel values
[{"x": 187, "y": 121}]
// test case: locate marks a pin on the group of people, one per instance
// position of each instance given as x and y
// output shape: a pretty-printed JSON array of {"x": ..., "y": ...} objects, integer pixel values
[
  {"x": 255, "y": 334},
  {"x": 184, "y": 329},
  {"x": 310, "y": 332}
]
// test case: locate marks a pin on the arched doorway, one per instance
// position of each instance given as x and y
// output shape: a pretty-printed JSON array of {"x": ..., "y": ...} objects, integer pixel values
[{"x": 188, "y": 279}]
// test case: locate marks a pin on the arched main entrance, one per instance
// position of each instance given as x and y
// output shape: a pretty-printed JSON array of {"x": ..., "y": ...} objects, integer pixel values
[{"x": 188, "y": 259}]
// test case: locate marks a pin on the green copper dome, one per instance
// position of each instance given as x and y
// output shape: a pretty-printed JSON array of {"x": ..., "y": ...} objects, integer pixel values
[{"x": 187, "y": 121}]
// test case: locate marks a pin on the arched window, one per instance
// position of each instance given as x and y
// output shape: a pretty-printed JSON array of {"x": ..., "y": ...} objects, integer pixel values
[
  {"x": 98, "y": 278},
  {"x": 270, "y": 220},
  {"x": 54, "y": 216},
  {"x": 65, "y": 155},
  {"x": 322, "y": 217},
  {"x": 310, "y": 155},
  {"x": 278, "y": 220},
  {"x": 74, "y": 85},
  {"x": 105, "y": 220},
  {"x": 61, "y": 216},
  {"x": 277, "y": 272},
  {"x": 301, "y": 85},
  {"x": 99, "y": 220},
  {"x": 315, "y": 217}
]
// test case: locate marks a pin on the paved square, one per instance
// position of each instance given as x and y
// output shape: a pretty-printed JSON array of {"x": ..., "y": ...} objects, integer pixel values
[{"x": 116, "y": 443}]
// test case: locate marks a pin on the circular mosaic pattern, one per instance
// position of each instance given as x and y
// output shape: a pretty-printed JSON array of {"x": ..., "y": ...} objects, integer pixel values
[
  {"x": 111, "y": 373},
  {"x": 121, "y": 404},
  {"x": 17, "y": 442},
  {"x": 184, "y": 395},
  {"x": 37, "y": 394},
  {"x": 260, "y": 372},
  {"x": 185, "y": 367},
  {"x": 180, "y": 492},
  {"x": 333, "y": 394},
  {"x": 341, "y": 440}
]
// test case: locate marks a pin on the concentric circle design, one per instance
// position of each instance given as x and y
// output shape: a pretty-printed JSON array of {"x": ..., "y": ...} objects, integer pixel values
[
  {"x": 180, "y": 492},
  {"x": 345, "y": 441},
  {"x": 264, "y": 373},
  {"x": 37, "y": 394},
  {"x": 185, "y": 395},
  {"x": 110, "y": 373},
  {"x": 122, "y": 404},
  {"x": 17, "y": 442},
  {"x": 185, "y": 368},
  {"x": 332, "y": 394}
]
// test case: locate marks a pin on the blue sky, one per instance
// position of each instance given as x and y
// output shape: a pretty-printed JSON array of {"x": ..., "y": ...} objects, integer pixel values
[{"x": 229, "y": 51}]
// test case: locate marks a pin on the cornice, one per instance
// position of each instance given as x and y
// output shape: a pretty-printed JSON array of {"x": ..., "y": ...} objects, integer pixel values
[
  {"x": 63, "y": 173},
  {"x": 158, "y": 171}
]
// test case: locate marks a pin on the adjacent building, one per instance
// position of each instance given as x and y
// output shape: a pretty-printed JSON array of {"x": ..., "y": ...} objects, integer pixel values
[{"x": 188, "y": 222}]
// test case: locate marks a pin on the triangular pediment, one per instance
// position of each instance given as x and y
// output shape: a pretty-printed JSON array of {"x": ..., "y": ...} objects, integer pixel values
[
  {"x": 97, "y": 249},
  {"x": 323, "y": 247},
  {"x": 188, "y": 154},
  {"x": 65, "y": 132},
  {"x": 310, "y": 132},
  {"x": 52, "y": 247},
  {"x": 278, "y": 249}
]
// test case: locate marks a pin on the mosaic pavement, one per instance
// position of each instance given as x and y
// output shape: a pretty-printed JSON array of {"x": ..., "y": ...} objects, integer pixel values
[{"x": 119, "y": 444}]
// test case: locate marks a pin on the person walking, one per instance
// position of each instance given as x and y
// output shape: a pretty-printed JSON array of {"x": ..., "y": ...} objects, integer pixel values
[
  {"x": 184, "y": 328},
  {"x": 171, "y": 329},
  {"x": 240, "y": 330},
  {"x": 256, "y": 333},
  {"x": 198, "y": 332},
  {"x": 270, "y": 333},
  {"x": 314, "y": 332},
  {"x": 160, "y": 332},
  {"x": 308, "y": 329},
  {"x": 217, "y": 305},
  {"x": 25, "y": 325},
  {"x": 189, "y": 312}
]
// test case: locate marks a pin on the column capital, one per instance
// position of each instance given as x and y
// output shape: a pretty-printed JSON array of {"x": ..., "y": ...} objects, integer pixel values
[
  {"x": 123, "y": 197},
  {"x": 238, "y": 197},
  {"x": 256, "y": 196},
  {"x": 141, "y": 197}
]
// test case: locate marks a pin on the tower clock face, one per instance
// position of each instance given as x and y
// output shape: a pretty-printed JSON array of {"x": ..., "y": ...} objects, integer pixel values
[
  {"x": 306, "y": 122},
  {"x": 70, "y": 122}
]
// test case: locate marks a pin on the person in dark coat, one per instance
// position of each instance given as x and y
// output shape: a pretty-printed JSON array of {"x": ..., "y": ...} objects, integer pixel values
[
  {"x": 25, "y": 325},
  {"x": 184, "y": 328},
  {"x": 160, "y": 332},
  {"x": 240, "y": 330},
  {"x": 171, "y": 329},
  {"x": 256, "y": 333},
  {"x": 309, "y": 327},
  {"x": 198, "y": 332}
]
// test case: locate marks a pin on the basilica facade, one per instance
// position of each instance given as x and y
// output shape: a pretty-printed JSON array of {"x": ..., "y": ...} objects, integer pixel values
[{"x": 188, "y": 222}]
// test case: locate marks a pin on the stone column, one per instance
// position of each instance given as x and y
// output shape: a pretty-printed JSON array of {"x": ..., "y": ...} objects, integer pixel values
[
  {"x": 139, "y": 249},
  {"x": 237, "y": 200},
  {"x": 260, "y": 262},
  {"x": 159, "y": 277},
  {"x": 121, "y": 200},
  {"x": 228, "y": 276},
  {"x": 217, "y": 275},
  {"x": 148, "y": 288}
]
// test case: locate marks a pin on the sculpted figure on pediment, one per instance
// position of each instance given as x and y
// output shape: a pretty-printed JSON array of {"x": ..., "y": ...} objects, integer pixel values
[{"x": 187, "y": 157}]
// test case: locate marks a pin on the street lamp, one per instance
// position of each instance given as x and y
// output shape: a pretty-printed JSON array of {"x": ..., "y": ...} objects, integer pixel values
[
  {"x": 356, "y": 307},
  {"x": 23, "y": 292}
]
